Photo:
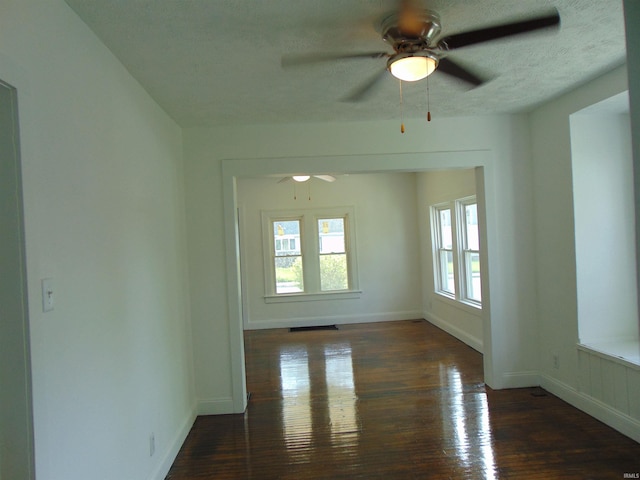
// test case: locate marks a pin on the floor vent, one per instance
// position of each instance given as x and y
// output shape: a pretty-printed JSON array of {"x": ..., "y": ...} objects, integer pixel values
[
  {"x": 538, "y": 392},
  {"x": 316, "y": 327}
]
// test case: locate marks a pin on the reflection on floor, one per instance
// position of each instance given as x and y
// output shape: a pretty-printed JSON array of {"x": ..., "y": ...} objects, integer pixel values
[{"x": 392, "y": 400}]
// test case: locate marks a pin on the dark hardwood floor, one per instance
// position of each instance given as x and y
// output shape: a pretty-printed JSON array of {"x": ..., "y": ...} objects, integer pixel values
[{"x": 396, "y": 400}]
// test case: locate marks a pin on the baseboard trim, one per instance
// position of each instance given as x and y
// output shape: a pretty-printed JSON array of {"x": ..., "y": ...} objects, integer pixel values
[
  {"x": 333, "y": 320},
  {"x": 170, "y": 455},
  {"x": 616, "y": 419},
  {"x": 524, "y": 379},
  {"x": 460, "y": 334},
  {"x": 215, "y": 406}
]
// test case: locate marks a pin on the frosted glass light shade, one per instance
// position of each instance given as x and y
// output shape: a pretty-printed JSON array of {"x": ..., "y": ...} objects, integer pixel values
[
  {"x": 411, "y": 69},
  {"x": 301, "y": 178}
]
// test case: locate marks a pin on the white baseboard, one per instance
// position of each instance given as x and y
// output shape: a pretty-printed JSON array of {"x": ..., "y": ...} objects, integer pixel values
[
  {"x": 519, "y": 380},
  {"x": 332, "y": 320},
  {"x": 606, "y": 414},
  {"x": 171, "y": 453},
  {"x": 461, "y": 335},
  {"x": 215, "y": 406}
]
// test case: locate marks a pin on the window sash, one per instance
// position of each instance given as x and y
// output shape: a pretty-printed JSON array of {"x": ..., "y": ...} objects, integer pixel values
[
  {"x": 446, "y": 271},
  {"x": 473, "y": 291},
  {"x": 334, "y": 272}
]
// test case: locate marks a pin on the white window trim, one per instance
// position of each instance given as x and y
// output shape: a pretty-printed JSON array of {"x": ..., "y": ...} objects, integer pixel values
[
  {"x": 457, "y": 232},
  {"x": 310, "y": 254}
]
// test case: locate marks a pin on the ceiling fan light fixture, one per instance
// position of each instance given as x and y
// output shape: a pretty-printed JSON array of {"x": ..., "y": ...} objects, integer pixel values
[
  {"x": 301, "y": 178},
  {"x": 412, "y": 67}
]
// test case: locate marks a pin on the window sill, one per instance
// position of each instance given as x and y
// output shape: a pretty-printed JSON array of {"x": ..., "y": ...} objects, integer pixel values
[
  {"x": 312, "y": 297},
  {"x": 626, "y": 352}
]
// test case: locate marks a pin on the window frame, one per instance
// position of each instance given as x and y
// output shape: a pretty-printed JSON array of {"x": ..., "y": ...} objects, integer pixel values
[
  {"x": 310, "y": 253},
  {"x": 466, "y": 270},
  {"x": 460, "y": 251},
  {"x": 439, "y": 249}
]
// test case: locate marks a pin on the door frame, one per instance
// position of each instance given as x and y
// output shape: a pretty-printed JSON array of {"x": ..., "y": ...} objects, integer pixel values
[
  {"x": 232, "y": 169},
  {"x": 17, "y": 459}
]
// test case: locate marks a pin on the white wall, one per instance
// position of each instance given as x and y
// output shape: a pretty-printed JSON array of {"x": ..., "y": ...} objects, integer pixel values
[
  {"x": 605, "y": 235},
  {"x": 502, "y": 141},
  {"x": 556, "y": 261},
  {"x": 104, "y": 213},
  {"x": 632, "y": 22},
  {"x": 462, "y": 321},
  {"x": 554, "y": 234},
  {"x": 386, "y": 241}
]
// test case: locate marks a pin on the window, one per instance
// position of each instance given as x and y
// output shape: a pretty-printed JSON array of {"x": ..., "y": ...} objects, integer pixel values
[
  {"x": 456, "y": 246},
  {"x": 444, "y": 258},
  {"x": 470, "y": 247},
  {"x": 332, "y": 254},
  {"x": 309, "y": 252}
]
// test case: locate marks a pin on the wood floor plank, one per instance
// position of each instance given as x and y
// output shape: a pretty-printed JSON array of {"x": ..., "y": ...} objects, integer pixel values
[{"x": 392, "y": 400}]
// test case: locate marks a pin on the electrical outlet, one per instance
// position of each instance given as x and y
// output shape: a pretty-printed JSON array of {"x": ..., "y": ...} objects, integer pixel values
[
  {"x": 152, "y": 444},
  {"x": 556, "y": 361}
]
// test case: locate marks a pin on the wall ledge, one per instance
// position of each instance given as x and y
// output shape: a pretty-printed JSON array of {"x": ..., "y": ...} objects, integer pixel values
[{"x": 625, "y": 352}]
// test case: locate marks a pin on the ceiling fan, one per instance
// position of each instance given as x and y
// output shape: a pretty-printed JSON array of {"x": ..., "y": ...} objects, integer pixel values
[
  {"x": 413, "y": 33},
  {"x": 304, "y": 178}
]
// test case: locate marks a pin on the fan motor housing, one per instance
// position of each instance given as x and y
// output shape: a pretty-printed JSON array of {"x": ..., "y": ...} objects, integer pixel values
[{"x": 430, "y": 27}]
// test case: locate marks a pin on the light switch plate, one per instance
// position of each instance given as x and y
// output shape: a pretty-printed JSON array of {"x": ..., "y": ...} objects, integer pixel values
[{"x": 47, "y": 294}]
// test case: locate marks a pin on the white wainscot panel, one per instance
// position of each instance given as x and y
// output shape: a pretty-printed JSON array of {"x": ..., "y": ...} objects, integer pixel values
[{"x": 613, "y": 381}]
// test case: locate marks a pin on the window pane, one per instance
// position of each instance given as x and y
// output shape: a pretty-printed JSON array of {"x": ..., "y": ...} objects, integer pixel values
[
  {"x": 333, "y": 272},
  {"x": 286, "y": 237},
  {"x": 446, "y": 271},
  {"x": 472, "y": 261},
  {"x": 471, "y": 223},
  {"x": 331, "y": 235},
  {"x": 289, "y": 275},
  {"x": 446, "y": 238}
]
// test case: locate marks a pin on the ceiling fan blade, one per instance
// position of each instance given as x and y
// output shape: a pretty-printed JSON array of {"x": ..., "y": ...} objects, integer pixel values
[
  {"x": 307, "y": 59},
  {"x": 284, "y": 179},
  {"x": 326, "y": 178},
  {"x": 456, "y": 70},
  {"x": 366, "y": 89},
  {"x": 472, "y": 37}
]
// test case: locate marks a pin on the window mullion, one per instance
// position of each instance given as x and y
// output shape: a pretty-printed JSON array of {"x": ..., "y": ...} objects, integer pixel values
[{"x": 310, "y": 256}]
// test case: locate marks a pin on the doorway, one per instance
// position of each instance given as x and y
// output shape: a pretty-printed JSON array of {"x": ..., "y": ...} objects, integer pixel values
[
  {"x": 232, "y": 170},
  {"x": 16, "y": 419}
]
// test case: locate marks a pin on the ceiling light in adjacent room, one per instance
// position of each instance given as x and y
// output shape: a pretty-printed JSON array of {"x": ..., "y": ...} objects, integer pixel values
[{"x": 301, "y": 178}]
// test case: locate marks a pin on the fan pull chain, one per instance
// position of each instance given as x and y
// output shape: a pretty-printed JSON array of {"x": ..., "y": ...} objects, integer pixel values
[
  {"x": 309, "y": 189},
  {"x": 428, "y": 107},
  {"x": 295, "y": 196},
  {"x": 401, "y": 110}
]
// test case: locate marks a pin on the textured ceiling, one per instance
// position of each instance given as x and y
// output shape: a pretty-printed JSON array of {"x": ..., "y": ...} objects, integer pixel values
[{"x": 217, "y": 62}]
